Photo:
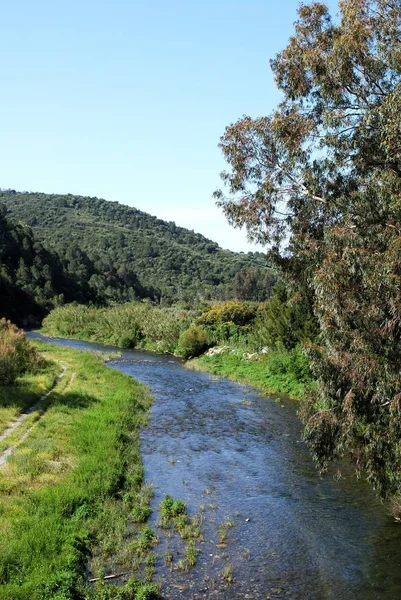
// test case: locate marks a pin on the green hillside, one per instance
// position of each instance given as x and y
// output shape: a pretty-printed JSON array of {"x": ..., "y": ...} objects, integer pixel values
[
  {"x": 32, "y": 279},
  {"x": 122, "y": 253}
]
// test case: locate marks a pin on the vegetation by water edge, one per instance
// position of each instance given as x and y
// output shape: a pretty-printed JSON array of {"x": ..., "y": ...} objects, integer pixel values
[
  {"x": 255, "y": 347},
  {"x": 272, "y": 373},
  {"x": 74, "y": 485}
]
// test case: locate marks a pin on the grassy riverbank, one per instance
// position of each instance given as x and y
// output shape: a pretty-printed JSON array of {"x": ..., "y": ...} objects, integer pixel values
[
  {"x": 274, "y": 372},
  {"x": 74, "y": 486}
]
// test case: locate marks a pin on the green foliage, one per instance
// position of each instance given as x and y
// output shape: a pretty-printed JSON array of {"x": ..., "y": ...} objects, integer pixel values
[
  {"x": 254, "y": 284},
  {"x": 132, "y": 590},
  {"x": 294, "y": 364},
  {"x": 141, "y": 513},
  {"x": 227, "y": 333},
  {"x": 17, "y": 355},
  {"x": 117, "y": 254},
  {"x": 32, "y": 279},
  {"x": 320, "y": 179},
  {"x": 228, "y": 322},
  {"x": 192, "y": 342},
  {"x": 275, "y": 372},
  {"x": 170, "y": 508},
  {"x": 191, "y": 553},
  {"x": 284, "y": 321},
  {"x": 231, "y": 312},
  {"x": 127, "y": 326}
]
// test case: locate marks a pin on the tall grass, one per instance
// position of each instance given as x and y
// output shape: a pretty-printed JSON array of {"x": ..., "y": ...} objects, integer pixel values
[{"x": 132, "y": 325}]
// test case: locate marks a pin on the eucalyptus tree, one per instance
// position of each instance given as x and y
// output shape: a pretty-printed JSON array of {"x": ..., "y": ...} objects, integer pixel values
[{"x": 319, "y": 181}]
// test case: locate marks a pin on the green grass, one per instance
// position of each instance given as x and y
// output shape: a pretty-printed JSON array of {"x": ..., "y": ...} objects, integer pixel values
[
  {"x": 275, "y": 372},
  {"x": 68, "y": 491},
  {"x": 15, "y": 399}
]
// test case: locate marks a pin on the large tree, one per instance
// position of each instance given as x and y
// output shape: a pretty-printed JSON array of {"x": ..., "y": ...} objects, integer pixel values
[{"x": 319, "y": 180}]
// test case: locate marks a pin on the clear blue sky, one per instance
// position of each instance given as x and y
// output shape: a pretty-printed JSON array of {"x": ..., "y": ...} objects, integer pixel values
[{"x": 126, "y": 100}]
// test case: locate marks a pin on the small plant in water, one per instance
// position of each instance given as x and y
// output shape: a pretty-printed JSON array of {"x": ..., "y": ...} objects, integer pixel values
[
  {"x": 246, "y": 402},
  {"x": 188, "y": 527},
  {"x": 150, "y": 562},
  {"x": 228, "y": 573},
  {"x": 145, "y": 540},
  {"x": 182, "y": 565},
  {"x": 168, "y": 557},
  {"x": 171, "y": 508},
  {"x": 229, "y": 523},
  {"x": 146, "y": 493},
  {"x": 191, "y": 553},
  {"x": 141, "y": 513},
  {"x": 222, "y": 534}
]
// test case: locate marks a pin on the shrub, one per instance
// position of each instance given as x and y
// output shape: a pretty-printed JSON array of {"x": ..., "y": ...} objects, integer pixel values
[
  {"x": 141, "y": 513},
  {"x": 293, "y": 362},
  {"x": 227, "y": 333},
  {"x": 285, "y": 321},
  {"x": 192, "y": 342},
  {"x": 17, "y": 356},
  {"x": 232, "y": 312}
]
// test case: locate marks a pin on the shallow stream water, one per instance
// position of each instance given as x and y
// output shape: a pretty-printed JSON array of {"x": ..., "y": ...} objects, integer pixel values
[{"x": 235, "y": 456}]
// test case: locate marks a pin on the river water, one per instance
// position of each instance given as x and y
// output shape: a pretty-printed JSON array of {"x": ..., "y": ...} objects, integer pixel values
[{"x": 236, "y": 457}]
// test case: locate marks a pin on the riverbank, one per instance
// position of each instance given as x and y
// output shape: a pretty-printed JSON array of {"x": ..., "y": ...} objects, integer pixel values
[
  {"x": 275, "y": 372},
  {"x": 74, "y": 486},
  {"x": 243, "y": 329},
  {"x": 271, "y": 373}
]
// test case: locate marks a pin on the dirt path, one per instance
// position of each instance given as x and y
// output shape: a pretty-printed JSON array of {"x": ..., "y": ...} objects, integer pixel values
[{"x": 9, "y": 451}]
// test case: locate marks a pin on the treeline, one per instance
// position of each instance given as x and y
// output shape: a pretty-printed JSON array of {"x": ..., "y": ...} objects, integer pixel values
[
  {"x": 278, "y": 324},
  {"x": 117, "y": 253}
]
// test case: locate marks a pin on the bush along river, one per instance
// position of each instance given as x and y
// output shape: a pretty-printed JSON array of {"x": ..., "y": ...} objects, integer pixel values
[{"x": 262, "y": 524}]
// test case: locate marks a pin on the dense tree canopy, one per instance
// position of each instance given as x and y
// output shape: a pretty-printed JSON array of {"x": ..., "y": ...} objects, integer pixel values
[
  {"x": 32, "y": 279},
  {"x": 319, "y": 180}
]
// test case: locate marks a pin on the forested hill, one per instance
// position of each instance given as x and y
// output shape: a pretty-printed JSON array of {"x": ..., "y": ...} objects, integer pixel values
[
  {"x": 32, "y": 279},
  {"x": 122, "y": 252}
]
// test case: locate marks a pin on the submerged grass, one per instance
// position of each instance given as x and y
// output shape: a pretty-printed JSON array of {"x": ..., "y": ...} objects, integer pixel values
[
  {"x": 173, "y": 514},
  {"x": 69, "y": 490}
]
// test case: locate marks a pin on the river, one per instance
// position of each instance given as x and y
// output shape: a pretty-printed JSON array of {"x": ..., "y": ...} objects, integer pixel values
[{"x": 236, "y": 457}]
